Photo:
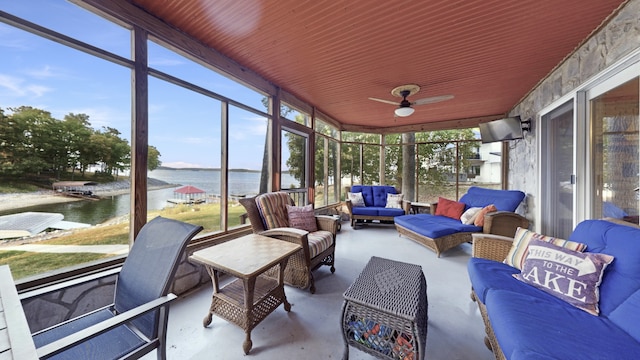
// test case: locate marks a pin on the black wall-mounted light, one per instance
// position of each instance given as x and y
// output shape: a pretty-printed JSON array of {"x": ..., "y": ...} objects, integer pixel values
[{"x": 526, "y": 125}]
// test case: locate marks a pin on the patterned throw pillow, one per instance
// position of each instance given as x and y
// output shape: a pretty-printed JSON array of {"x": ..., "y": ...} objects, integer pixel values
[
  {"x": 449, "y": 208},
  {"x": 394, "y": 201},
  {"x": 469, "y": 216},
  {"x": 479, "y": 220},
  {"x": 356, "y": 199},
  {"x": 569, "y": 275},
  {"x": 302, "y": 218},
  {"x": 520, "y": 247}
]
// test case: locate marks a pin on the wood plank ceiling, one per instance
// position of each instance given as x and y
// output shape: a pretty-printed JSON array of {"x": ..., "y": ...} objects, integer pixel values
[{"x": 334, "y": 55}]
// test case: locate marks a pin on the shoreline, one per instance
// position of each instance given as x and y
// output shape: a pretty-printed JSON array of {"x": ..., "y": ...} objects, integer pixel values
[{"x": 17, "y": 201}]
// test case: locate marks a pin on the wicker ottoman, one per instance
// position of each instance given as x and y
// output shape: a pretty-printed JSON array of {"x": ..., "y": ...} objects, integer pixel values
[{"x": 385, "y": 311}]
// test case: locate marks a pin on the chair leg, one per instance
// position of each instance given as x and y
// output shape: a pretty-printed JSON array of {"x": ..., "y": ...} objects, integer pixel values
[
  {"x": 312, "y": 287},
  {"x": 162, "y": 333}
]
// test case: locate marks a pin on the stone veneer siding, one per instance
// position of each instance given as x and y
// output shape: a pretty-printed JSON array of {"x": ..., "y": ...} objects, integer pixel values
[
  {"x": 616, "y": 39},
  {"x": 52, "y": 308}
]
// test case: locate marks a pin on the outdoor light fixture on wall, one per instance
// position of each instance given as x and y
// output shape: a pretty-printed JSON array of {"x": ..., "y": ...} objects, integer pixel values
[{"x": 526, "y": 125}]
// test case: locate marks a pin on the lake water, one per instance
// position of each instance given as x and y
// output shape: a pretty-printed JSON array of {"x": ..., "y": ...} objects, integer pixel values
[{"x": 95, "y": 212}]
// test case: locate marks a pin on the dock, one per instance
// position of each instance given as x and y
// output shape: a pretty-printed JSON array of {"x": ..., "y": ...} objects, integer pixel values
[{"x": 28, "y": 224}]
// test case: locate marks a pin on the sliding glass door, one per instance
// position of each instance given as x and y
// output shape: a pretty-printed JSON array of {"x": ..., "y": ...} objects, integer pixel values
[
  {"x": 557, "y": 170},
  {"x": 614, "y": 129}
]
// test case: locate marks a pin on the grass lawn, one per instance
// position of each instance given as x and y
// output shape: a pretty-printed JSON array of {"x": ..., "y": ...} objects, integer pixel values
[{"x": 25, "y": 263}]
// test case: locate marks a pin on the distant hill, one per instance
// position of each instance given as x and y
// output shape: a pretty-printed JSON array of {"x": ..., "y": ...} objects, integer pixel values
[{"x": 204, "y": 169}]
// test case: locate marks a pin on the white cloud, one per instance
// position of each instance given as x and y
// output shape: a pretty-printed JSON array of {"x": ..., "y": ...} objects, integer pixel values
[
  {"x": 44, "y": 72},
  {"x": 18, "y": 87},
  {"x": 251, "y": 126}
]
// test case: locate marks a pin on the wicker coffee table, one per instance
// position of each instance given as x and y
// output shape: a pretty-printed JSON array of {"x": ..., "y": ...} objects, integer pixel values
[
  {"x": 252, "y": 296},
  {"x": 385, "y": 311}
]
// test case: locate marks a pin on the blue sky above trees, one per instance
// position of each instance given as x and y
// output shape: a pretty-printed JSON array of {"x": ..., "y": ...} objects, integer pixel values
[{"x": 184, "y": 126}]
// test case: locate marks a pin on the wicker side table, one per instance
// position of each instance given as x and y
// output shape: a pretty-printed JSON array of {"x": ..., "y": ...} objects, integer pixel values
[{"x": 385, "y": 311}]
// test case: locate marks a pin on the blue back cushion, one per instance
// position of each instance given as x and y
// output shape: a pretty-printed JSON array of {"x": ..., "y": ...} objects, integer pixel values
[
  {"x": 374, "y": 195},
  {"x": 504, "y": 200},
  {"x": 621, "y": 278}
]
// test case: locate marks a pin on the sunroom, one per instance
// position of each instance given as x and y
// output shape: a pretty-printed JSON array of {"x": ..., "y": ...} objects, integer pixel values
[{"x": 255, "y": 97}]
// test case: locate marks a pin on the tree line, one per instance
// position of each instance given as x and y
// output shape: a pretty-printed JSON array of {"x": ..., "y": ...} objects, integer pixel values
[
  {"x": 33, "y": 142},
  {"x": 434, "y": 157}
]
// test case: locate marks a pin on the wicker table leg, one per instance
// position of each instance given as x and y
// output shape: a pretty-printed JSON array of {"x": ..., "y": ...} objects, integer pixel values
[
  {"x": 213, "y": 273},
  {"x": 283, "y": 265},
  {"x": 345, "y": 353},
  {"x": 249, "y": 287}
]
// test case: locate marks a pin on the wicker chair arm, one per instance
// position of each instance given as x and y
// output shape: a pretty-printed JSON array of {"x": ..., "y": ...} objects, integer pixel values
[
  {"x": 492, "y": 247},
  {"x": 291, "y": 235},
  {"x": 327, "y": 223},
  {"x": 504, "y": 223},
  {"x": 349, "y": 206},
  {"x": 433, "y": 207},
  {"x": 406, "y": 206}
]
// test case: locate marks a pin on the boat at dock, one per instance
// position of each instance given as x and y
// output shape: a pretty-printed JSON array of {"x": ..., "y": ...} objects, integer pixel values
[{"x": 77, "y": 189}]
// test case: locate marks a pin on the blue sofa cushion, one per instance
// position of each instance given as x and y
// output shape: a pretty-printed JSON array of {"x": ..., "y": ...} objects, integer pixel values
[
  {"x": 487, "y": 274},
  {"x": 376, "y": 211},
  {"x": 504, "y": 200},
  {"x": 434, "y": 226},
  {"x": 527, "y": 327},
  {"x": 390, "y": 212},
  {"x": 622, "y": 277},
  {"x": 367, "y": 210}
]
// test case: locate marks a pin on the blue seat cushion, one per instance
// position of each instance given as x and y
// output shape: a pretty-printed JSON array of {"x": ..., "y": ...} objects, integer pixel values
[
  {"x": 504, "y": 200},
  {"x": 545, "y": 327},
  {"x": 434, "y": 226},
  {"x": 112, "y": 344},
  {"x": 376, "y": 211},
  {"x": 487, "y": 274},
  {"x": 621, "y": 279}
]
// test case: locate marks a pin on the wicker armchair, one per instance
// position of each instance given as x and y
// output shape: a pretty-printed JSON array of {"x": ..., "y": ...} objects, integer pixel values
[{"x": 318, "y": 248}]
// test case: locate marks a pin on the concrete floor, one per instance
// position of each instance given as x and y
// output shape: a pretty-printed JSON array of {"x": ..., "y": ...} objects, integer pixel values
[{"x": 312, "y": 329}]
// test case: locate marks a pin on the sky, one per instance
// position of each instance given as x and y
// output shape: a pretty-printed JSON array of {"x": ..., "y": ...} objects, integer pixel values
[{"x": 183, "y": 125}]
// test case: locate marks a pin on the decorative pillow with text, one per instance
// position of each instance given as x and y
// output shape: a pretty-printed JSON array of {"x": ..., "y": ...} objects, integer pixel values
[
  {"x": 520, "y": 246},
  {"x": 302, "y": 218},
  {"x": 572, "y": 276}
]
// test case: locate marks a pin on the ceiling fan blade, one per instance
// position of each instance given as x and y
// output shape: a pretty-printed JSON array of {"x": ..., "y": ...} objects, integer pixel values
[
  {"x": 431, "y": 100},
  {"x": 385, "y": 101}
]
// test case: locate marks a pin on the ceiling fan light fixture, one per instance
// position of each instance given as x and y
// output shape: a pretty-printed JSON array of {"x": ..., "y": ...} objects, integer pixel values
[{"x": 404, "y": 111}]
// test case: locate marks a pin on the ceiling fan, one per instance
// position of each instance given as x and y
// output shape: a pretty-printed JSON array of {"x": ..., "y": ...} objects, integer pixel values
[{"x": 404, "y": 107}]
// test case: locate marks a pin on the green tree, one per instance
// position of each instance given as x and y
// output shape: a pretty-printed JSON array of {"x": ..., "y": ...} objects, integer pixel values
[
  {"x": 153, "y": 158},
  {"x": 20, "y": 139},
  {"x": 76, "y": 137},
  {"x": 114, "y": 153},
  {"x": 366, "y": 171}
]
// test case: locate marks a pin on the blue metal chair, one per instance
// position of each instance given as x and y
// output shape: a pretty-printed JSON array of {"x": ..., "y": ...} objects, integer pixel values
[{"x": 136, "y": 322}]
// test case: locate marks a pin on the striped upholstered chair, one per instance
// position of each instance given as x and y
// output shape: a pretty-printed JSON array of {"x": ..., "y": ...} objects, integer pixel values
[{"x": 269, "y": 216}]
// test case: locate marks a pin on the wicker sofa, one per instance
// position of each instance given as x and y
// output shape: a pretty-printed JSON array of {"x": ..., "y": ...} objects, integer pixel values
[
  {"x": 375, "y": 204},
  {"x": 441, "y": 233},
  {"x": 525, "y": 322}
]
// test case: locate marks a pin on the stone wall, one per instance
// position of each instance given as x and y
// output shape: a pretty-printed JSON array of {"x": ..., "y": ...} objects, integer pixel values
[
  {"x": 48, "y": 309},
  {"x": 616, "y": 39}
]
